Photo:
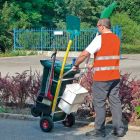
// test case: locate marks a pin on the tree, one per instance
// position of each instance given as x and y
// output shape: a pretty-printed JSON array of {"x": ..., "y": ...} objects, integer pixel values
[
  {"x": 12, "y": 17},
  {"x": 88, "y": 10},
  {"x": 52, "y": 14},
  {"x": 130, "y": 28},
  {"x": 38, "y": 8},
  {"x": 48, "y": 14},
  {"x": 132, "y": 8}
]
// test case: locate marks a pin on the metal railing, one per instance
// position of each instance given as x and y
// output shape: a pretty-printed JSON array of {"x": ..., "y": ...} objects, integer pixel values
[{"x": 47, "y": 39}]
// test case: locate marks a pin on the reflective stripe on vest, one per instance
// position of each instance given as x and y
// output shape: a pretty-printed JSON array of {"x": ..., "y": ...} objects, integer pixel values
[
  {"x": 107, "y": 57},
  {"x": 106, "y": 68}
]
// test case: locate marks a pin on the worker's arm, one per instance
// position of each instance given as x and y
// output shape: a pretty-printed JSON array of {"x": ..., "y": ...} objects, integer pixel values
[
  {"x": 81, "y": 58},
  {"x": 92, "y": 48}
]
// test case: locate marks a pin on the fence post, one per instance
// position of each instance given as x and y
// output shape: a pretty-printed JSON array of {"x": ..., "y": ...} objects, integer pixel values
[
  {"x": 41, "y": 41},
  {"x": 14, "y": 38},
  {"x": 120, "y": 34},
  {"x": 75, "y": 43},
  {"x": 118, "y": 31}
]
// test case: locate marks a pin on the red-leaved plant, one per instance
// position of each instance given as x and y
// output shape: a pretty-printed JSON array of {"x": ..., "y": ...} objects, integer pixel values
[
  {"x": 15, "y": 90},
  {"x": 129, "y": 95},
  {"x": 87, "y": 106}
]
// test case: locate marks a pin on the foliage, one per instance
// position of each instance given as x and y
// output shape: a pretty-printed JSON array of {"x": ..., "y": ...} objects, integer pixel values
[
  {"x": 12, "y": 16},
  {"x": 17, "y": 90},
  {"x": 3, "y": 110},
  {"x": 130, "y": 49},
  {"x": 17, "y": 53},
  {"x": 23, "y": 88},
  {"x": 52, "y": 13},
  {"x": 132, "y": 8},
  {"x": 86, "y": 81},
  {"x": 130, "y": 96},
  {"x": 138, "y": 110},
  {"x": 87, "y": 10},
  {"x": 130, "y": 29}
]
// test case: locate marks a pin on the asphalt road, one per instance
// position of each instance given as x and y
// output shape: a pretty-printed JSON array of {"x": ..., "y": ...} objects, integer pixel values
[
  {"x": 128, "y": 64},
  {"x": 30, "y": 130}
]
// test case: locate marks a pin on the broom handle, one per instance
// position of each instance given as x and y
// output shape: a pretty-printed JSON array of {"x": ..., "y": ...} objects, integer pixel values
[{"x": 60, "y": 77}]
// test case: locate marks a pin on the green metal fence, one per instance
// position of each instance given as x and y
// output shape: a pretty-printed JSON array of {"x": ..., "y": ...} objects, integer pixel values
[{"x": 47, "y": 39}]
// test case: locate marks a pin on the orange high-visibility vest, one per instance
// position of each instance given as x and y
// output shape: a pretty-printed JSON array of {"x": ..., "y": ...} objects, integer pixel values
[{"x": 106, "y": 60}]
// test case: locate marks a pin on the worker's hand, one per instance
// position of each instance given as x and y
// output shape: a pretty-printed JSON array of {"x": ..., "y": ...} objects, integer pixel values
[
  {"x": 75, "y": 68},
  {"x": 90, "y": 66}
]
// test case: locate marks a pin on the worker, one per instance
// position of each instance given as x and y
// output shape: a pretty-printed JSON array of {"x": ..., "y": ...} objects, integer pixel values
[{"x": 106, "y": 78}]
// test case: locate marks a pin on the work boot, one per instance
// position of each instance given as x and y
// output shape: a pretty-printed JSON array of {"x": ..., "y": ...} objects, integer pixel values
[
  {"x": 96, "y": 133},
  {"x": 119, "y": 133}
]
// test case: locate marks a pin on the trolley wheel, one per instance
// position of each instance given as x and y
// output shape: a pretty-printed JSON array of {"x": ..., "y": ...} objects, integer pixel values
[
  {"x": 35, "y": 112},
  {"x": 69, "y": 121},
  {"x": 46, "y": 124}
]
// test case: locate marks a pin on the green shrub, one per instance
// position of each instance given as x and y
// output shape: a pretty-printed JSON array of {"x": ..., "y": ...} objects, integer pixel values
[
  {"x": 3, "y": 110},
  {"x": 130, "y": 29},
  {"x": 138, "y": 110},
  {"x": 18, "y": 53},
  {"x": 130, "y": 49}
]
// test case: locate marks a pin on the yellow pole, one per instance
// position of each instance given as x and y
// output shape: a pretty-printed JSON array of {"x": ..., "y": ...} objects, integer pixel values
[{"x": 60, "y": 76}]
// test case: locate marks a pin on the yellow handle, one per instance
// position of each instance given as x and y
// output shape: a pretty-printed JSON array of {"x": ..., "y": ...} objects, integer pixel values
[{"x": 60, "y": 76}]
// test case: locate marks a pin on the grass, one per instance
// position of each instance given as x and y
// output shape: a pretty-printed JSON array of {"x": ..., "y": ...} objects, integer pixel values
[
  {"x": 3, "y": 110},
  {"x": 12, "y": 110},
  {"x": 18, "y": 53},
  {"x": 138, "y": 110},
  {"x": 125, "y": 49},
  {"x": 130, "y": 49}
]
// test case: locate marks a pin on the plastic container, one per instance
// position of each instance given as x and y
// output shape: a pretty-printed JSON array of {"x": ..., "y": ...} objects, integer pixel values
[{"x": 72, "y": 98}]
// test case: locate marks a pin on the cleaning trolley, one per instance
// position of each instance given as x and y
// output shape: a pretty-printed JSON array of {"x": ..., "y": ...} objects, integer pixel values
[{"x": 59, "y": 97}]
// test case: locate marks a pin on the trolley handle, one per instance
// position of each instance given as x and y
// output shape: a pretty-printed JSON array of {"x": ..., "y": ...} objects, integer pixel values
[
  {"x": 54, "y": 54},
  {"x": 68, "y": 79},
  {"x": 81, "y": 73},
  {"x": 66, "y": 73}
]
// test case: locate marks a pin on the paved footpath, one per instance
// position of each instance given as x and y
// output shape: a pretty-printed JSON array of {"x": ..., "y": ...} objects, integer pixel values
[
  {"x": 30, "y": 130},
  {"x": 11, "y": 129}
]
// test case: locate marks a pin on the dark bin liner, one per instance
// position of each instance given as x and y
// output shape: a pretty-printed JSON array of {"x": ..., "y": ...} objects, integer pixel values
[
  {"x": 58, "y": 65},
  {"x": 57, "y": 68}
]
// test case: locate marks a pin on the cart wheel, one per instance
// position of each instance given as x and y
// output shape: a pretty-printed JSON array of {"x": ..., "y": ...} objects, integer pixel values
[
  {"x": 35, "y": 112},
  {"x": 69, "y": 121},
  {"x": 46, "y": 124}
]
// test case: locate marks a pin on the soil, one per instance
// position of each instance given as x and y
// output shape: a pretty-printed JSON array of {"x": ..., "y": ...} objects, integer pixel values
[{"x": 135, "y": 123}]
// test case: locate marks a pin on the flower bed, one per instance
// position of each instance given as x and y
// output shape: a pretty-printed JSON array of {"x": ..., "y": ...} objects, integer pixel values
[{"x": 17, "y": 92}]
